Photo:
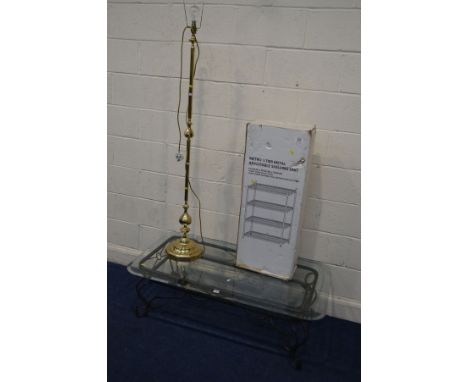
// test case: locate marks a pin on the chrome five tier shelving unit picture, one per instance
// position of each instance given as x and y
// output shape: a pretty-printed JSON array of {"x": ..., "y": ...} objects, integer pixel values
[{"x": 269, "y": 212}]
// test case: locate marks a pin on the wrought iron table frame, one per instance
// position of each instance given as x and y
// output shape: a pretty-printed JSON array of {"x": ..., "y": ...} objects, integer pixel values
[{"x": 294, "y": 334}]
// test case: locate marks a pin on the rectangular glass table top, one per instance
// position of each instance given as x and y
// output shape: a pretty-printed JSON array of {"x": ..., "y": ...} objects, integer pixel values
[{"x": 216, "y": 274}]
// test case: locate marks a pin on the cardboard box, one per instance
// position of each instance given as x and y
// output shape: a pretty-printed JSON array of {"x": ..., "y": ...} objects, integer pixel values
[{"x": 273, "y": 186}]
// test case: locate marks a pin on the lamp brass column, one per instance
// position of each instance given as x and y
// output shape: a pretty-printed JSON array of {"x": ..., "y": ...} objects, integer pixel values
[{"x": 185, "y": 249}]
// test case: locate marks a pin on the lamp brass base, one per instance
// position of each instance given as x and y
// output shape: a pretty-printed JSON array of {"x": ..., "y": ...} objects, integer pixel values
[{"x": 184, "y": 249}]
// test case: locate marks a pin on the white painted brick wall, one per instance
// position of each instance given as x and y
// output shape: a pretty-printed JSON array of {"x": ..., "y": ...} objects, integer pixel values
[
  {"x": 122, "y": 233},
  {"x": 333, "y": 217},
  {"x": 138, "y": 183},
  {"x": 335, "y": 184},
  {"x": 303, "y": 69},
  {"x": 283, "y": 61},
  {"x": 330, "y": 111},
  {"x": 334, "y": 30},
  {"x": 136, "y": 153}
]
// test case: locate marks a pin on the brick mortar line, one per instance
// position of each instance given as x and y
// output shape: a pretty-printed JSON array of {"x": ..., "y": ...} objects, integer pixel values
[
  {"x": 175, "y": 144},
  {"x": 265, "y": 47},
  {"x": 264, "y": 64},
  {"x": 302, "y": 255},
  {"x": 200, "y": 179},
  {"x": 157, "y": 172},
  {"x": 226, "y": 213},
  {"x": 168, "y": 204},
  {"x": 168, "y": 4},
  {"x": 230, "y": 153},
  {"x": 122, "y": 221},
  {"x": 216, "y": 116},
  {"x": 182, "y": 177},
  {"x": 161, "y": 173},
  {"x": 236, "y": 216},
  {"x": 137, "y": 169},
  {"x": 331, "y": 201},
  {"x": 195, "y": 207},
  {"x": 110, "y": 79},
  {"x": 235, "y": 153},
  {"x": 332, "y": 234},
  {"x": 137, "y": 197},
  {"x": 124, "y": 250},
  {"x": 174, "y": 175},
  {"x": 137, "y": 224},
  {"x": 304, "y": 37},
  {"x": 340, "y": 168},
  {"x": 148, "y": 226},
  {"x": 238, "y": 83},
  {"x": 207, "y": 149},
  {"x": 220, "y": 117},
  {"x": 217, "y": 183},
  {"x": 224, "y": 184}
]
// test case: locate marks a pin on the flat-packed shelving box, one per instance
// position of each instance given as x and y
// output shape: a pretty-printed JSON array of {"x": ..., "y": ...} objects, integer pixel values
[{"x": 273, "y": 197}]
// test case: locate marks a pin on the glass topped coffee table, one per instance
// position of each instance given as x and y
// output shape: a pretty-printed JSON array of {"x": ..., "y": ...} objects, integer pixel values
[{"x": 216, "y": 275}]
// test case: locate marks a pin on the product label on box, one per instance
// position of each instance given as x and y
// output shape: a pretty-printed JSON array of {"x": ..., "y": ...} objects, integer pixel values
[{"x": 270, "y": 168}]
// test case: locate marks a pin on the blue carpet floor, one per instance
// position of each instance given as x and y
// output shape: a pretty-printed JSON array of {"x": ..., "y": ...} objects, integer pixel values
[{"x": 191, "y": 338}]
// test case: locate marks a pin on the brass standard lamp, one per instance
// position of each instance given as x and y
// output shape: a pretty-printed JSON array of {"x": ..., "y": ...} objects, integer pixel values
[{"x": 183, "y": 248}]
